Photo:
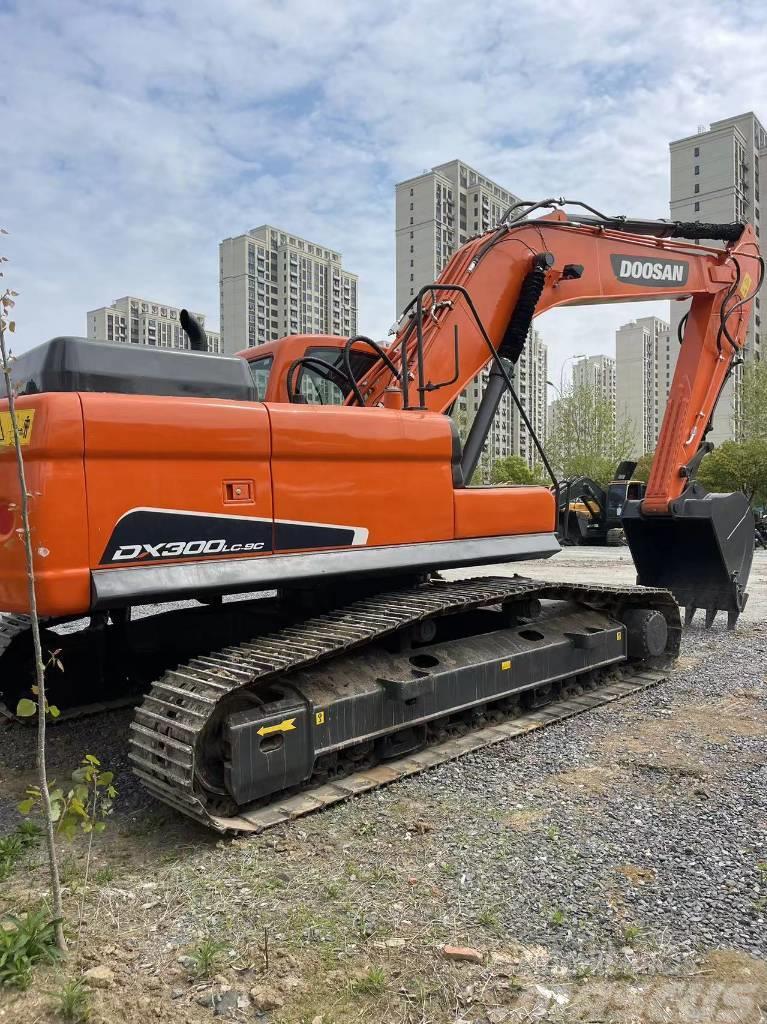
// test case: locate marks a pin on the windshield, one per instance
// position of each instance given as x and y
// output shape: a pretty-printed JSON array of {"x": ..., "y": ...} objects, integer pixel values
[
  {"x": 259, "y": 371},
  {"x": 316, "y": 389}
]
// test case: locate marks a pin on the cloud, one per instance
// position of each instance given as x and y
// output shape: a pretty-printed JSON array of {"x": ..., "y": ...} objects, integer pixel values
[{"x": 138, "y": 134}]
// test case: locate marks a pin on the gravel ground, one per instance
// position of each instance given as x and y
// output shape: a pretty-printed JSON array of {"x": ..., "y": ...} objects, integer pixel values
[{"x": 617, "y": 848}]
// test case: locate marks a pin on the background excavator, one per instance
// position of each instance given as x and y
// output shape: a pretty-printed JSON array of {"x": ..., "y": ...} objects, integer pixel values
[
  {"x": 592, "y": 514},
  {"x": 325, "y": 474}
]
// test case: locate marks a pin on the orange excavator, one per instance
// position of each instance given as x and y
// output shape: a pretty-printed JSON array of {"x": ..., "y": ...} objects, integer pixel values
[{"x": 301, "y": 500}]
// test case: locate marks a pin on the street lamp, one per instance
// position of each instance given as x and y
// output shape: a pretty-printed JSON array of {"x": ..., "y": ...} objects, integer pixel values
[{"x": 562, "y": 371}]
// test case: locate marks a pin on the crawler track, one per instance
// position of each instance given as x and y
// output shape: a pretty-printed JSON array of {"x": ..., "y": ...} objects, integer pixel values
[{"x": 168, "y": 733}]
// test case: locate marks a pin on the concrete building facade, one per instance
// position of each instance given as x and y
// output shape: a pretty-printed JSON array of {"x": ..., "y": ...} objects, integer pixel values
[
  {"x": 597, "y": 373},
  {"x": 144, "y": 322},
  {"x": 436, "y": 212},
  {"x": 640, "y": 362},
  {"x": 715, "y": 177},
  {"x": 273, "y": 283}
]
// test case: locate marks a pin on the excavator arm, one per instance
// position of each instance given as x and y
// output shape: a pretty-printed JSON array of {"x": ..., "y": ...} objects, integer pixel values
[{"x": 481, "y": 309}]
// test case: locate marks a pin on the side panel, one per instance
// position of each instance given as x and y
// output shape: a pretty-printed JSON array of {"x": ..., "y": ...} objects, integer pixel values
[
  {"x": 383, "y": 471},
  {"x": 501, "y": 511},
  {"x": 175, "y": 479},
  {"x": 53, "y": 453}
]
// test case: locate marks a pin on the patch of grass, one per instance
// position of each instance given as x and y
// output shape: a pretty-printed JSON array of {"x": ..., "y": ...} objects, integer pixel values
[
  {"x": 759, "y": 906},
  {"x": 632, "y": 934},
  {"x": 761, "y": 868},
  {"x": 73, "y": 1001},
  {"x": 552, "y": 833},
  {"x": 15, "y": 845},
  {"x": 206, "y": 957},
  {"x": 448, "y": 870},
  {"x": 557, "y": 917},
  {"x": 25, "y": 940},
  {"x": 622, "y": 974},
  {"x": 582, "y": 972},
  {"x": 104, "y": 875},
  {"x": 488, "y": 919},
  {"x": 69, "y": 870},
  {"x": 371, "y": 984}
]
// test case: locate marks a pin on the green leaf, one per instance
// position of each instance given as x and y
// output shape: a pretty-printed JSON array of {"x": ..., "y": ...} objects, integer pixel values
[
  {"x": 100, "y": 826},
  {"x": 91, "y": 759},
  {"x": 26, "y": 708},
  {"x": 111, "y": 792},
  {"x": 53, "y": 711},
  {"x": 26, "y": 805},
  {"x": 105, "y": 779},
  {"x": 55, "y": 811}
]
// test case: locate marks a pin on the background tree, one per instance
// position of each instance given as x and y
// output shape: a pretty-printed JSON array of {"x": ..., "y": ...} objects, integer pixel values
[
  {"x": 737, "y": 467},
  {"x": 584, "y": 439},
  {"x": 643, "y": 467},
  {"x": 515, "y": 470},
  {"x": 753, "y": 399}
]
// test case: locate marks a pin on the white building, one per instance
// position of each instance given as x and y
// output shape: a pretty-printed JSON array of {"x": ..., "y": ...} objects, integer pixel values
[
  {"x": 715, "y": 178},
  {"x": 598, "y": 374},
  {"x": 640, "y": 368},
  {"x": 436, "y": 212},
  {"x": 144, "y": 322},
  {"x": 273, "y": 283}
]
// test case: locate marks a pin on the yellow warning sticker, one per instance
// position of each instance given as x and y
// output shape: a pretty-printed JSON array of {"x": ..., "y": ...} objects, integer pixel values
[
  {"x": 319, "y": 717},
  {"x": 287, "y": 726},
  {"x": 24, "y": 421},
  {"x": 619, "y": 635},
  {"x": 505, "y": 666},
  {"x": 745, "y": 288}
]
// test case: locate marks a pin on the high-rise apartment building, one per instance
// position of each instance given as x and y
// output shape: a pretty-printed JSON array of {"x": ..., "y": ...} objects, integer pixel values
[
  {"x": 436, "y": 212},
  {"x": 273, "y": 283},
  {"x": 715, "y": 178},
  {"x": 640, "y": 348},
  {"x": 597, "y": 373},
  {"x": 144, "y": 322}
]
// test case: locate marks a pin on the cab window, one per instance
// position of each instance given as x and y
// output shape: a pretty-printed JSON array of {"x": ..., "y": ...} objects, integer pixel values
[
  {"x": 316, "y": 389},
  {"x": 259, "y": 371}
]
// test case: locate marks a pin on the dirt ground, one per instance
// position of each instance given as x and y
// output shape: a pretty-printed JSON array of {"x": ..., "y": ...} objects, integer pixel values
[{"x": 343, "y": 917}]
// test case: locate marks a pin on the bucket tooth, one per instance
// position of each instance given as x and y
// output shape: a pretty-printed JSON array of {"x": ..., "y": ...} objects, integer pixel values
[
  {"x": 732, "y": 619},
  {"x": 689, "y": 614},
  {"x": 710, "y": 617}
]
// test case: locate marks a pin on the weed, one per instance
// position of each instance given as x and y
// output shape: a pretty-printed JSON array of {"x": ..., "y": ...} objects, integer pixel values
[
  {"x": 72, "y": 1001},
  {"x": 582, "y": 972},
  {"x": 488, "y": 919},
  {"x": 552, "y": 833},
  {"x": 25, "y": 940},
  {"x": 104, "y": 875},
  {"x": 370, "y": 984},
  {"x": 761, "y": 867},
  {"x": 206, "y": 956},
  {"x": 448, "y": 870},
  {"x": 332, "y": 890},
  {"x": 759, "y": 906},
  {"x": 632, "y": 934},
  {"x": 15, "y": 845},
  {"x": 70, "y": 871},
  {"x": 622, "y": 974},
  {"x": 557, "y": 917}
]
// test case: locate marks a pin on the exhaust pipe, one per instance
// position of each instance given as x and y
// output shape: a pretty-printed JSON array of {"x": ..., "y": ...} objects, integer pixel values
[
  {"x": 197, "y": 340},
  {"x": 702, "y": 551}
]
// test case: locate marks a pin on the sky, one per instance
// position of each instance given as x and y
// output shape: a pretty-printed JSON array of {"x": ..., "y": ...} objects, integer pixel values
[{"x": 139, "y": 133}]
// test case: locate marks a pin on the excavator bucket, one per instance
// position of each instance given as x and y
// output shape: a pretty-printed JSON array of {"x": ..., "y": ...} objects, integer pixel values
[{"x": 701, "y": 551}]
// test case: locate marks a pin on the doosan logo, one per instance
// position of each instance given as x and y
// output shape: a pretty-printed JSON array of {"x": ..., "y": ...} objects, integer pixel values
[{"x": 652, "y": 273}]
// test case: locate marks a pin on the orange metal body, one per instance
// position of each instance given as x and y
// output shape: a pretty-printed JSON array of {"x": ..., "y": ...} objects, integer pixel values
[{"x": 387, "y": 472}]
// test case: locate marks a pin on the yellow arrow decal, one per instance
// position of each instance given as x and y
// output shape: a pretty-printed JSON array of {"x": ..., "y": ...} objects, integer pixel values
[{"x": 287, "y": 726}]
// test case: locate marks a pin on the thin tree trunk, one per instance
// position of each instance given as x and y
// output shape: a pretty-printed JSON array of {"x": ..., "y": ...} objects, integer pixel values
[{"x": 39, "y": 666}]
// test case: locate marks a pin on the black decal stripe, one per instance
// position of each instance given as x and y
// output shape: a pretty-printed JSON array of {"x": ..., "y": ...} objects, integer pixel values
[{"x": 152, "y": 528}]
